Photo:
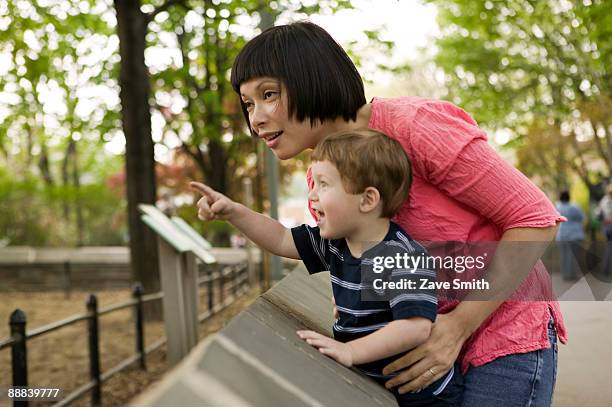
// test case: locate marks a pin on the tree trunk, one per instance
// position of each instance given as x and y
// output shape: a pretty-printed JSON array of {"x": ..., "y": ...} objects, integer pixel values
[
  {"x": 139, "y": 158},
  {"x": 217, "y": 177},
  {"x": 65, "y": 178},
  {"x": 78, "y": 206},
  {"x": 43, "y": 164}
]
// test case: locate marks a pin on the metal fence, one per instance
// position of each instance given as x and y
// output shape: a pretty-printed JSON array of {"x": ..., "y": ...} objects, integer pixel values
[{"x": 232, "y": 278}]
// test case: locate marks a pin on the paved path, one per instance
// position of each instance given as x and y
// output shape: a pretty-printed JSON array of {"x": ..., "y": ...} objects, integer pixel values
[{"x": 585, "y": 363}]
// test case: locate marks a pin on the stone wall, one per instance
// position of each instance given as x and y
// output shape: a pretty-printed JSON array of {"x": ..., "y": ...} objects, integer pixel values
[{"x": 25, "y": 268}]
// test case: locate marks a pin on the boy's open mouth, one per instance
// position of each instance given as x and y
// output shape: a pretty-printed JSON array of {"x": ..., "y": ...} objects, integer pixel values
[{"x": 319, "y": 214}]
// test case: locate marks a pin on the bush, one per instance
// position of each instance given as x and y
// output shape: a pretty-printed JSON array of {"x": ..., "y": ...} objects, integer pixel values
[
  {"x": 37, "y": 215},
  {"x": 217, "y": 232}
]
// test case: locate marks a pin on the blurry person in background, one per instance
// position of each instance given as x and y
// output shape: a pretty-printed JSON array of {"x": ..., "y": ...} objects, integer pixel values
[
  {"x": 570, "y": 237},
  {"x": 604, "y": 211}
]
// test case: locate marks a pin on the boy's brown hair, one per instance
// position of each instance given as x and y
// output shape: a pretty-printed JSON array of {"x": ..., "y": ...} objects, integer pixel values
[{"x": 369, "y": 158}]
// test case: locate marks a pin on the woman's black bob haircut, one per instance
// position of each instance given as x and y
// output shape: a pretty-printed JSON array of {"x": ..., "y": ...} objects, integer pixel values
[{"x": 321, "y": 80}]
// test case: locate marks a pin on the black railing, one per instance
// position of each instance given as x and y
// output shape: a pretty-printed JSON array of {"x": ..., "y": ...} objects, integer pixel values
[{"x": 233, "y": 278}]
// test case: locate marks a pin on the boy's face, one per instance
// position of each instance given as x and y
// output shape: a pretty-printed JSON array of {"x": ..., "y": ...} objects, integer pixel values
[{"x": 337, "y": 211}]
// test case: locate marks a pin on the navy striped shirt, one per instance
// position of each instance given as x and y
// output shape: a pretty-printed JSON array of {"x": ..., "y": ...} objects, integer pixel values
[{"x": 363, "y": 310}]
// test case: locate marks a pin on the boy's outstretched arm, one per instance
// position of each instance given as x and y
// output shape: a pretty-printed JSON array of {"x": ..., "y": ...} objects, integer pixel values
[
  {"x": 264, "y": 231},
  {"x": 396, "y": 337}
]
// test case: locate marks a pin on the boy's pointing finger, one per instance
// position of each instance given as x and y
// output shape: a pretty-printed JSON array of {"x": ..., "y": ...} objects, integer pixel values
[{"x": 201, "y": 188}]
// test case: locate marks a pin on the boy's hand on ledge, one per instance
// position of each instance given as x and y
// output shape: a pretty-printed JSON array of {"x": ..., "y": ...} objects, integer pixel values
[
  {"x": 340, "y": 352},
  {"x": 213, "y": 205}
]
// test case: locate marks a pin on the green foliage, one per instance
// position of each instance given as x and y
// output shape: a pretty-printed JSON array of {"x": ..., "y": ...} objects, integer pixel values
[
  {"x": 20, "y": 222},
  {"x": 56, "y": 112},
  {"x": 32, "y": 213},
  {"x": 59, "y": 110},
  {"x": 216, "y": 232},
  {"x": 210, "y": 126},
  {"x": 56, "y": 67},
  {"x": 540, "y": 69}
]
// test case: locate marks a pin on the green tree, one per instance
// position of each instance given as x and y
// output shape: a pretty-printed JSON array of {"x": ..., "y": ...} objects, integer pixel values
[
  {"x": 209, "y": 126},
  {"x": 60, "y": 111},
  {"x": 207, "y": 47},
  {"x": 56, "y": 58},
  {"x": 540, "y": 69}
]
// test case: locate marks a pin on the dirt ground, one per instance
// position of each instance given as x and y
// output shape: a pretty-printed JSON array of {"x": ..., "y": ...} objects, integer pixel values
[{"x": 60, "y": 359}]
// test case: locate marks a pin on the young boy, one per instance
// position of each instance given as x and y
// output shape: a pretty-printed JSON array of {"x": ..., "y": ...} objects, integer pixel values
[{"x": 361, "y": 179}]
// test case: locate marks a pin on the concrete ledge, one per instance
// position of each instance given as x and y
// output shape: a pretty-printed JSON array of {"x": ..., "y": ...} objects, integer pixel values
[{"x": 258, "y": 360}]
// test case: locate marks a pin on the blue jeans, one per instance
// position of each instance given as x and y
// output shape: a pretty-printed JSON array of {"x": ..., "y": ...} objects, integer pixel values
[
  {"x": 451, "y": 396},
  {"x": 521, "y": 379}
]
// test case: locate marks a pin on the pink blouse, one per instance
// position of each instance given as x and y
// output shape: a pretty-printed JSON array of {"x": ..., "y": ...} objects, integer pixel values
[{"x": 462, "y": 190}]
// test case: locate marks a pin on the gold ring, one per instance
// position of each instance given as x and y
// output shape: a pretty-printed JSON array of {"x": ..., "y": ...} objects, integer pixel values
[{"x": 433, "y": 373}]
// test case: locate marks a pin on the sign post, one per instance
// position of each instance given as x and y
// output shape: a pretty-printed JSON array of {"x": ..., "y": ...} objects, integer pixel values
[{"x": 178, "y": 250}]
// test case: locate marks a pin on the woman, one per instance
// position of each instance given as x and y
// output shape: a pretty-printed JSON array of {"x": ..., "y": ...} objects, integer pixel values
[{"x": 297, "y": 85}]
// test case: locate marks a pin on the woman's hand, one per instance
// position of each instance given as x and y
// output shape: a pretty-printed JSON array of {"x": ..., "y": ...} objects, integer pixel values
[
  {"x": 431, "y": 360},
  {"x": 340, "y": 352},
  {"x": 213, "y": 205}
]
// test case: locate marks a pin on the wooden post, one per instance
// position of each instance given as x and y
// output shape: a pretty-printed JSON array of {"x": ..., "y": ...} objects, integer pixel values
[
  {"x": 190, "y": 298},
  {"x": 174, "y": 318},
  {"x": 178, "y": 245},
  {"x": 250, "y": 247}
]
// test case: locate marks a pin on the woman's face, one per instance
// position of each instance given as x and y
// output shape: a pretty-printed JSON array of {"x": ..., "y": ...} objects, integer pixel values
[{"x": 266, "y": 102}]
